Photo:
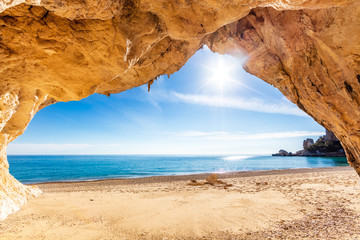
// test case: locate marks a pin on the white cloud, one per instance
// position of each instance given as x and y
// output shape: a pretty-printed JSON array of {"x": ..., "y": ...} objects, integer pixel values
[
  {"x": 199, "y": 135},
  {"x": 289, "y": 134},
  {"x": 249, "y": 104},
  {"x": 53, "y": 148},
  {"x": 188, "y": 142}
]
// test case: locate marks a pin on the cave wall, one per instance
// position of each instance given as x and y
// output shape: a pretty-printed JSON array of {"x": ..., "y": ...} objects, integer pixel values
[
  {"x": 312, "y": 57},
  {"x": 53, "y": 51}
]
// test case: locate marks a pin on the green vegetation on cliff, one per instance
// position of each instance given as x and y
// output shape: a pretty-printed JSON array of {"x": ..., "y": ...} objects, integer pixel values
[{"x": 323, "y": 146}]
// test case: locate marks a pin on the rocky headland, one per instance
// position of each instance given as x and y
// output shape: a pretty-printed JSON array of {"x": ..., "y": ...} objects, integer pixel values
[{"x": 325, "y": 146}]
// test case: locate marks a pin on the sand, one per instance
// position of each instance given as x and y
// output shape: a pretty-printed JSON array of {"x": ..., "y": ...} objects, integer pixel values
[{"x": 280, "y": 204}]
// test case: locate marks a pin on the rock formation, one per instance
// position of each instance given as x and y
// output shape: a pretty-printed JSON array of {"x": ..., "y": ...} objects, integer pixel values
[
  {"x": 330, "y": 136},
  {"x": 283, "y": 153},
  {"x": 63, "y": 50},
  {"x": 325, "y": 146},
  {"x": 308, "y": 142}
]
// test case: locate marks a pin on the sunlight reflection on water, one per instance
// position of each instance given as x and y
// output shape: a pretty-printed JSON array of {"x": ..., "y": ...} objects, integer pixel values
[{"x": 235, "y": 158}]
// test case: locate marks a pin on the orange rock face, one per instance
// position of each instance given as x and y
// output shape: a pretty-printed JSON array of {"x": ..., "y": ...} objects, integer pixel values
[
  {"x": 312, "y": 57},
  {"x": 53, "y": 51}
]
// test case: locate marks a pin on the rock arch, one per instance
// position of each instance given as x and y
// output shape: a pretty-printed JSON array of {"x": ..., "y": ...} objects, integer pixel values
[{"x": 53, "y": 51}]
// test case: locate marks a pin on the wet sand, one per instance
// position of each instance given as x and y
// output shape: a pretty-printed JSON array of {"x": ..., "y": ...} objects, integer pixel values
[{"x": 322, "y": 203}]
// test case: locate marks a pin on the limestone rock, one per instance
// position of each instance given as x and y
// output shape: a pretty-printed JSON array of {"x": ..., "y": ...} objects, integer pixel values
[
  {"x": 283, "y": 153},
  {"x": 63, "y": 50},
  {"x": 308, "y": 142},
  {"x": 325, "y": 146},
  {"x": 330, "y": 136}
]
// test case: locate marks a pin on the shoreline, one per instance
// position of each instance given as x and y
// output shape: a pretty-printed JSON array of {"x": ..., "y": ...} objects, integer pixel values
[
  {"x": 198, "y": 176},
  {"x": 310, "y": 155},
  {"x": 304, "y": 203}
]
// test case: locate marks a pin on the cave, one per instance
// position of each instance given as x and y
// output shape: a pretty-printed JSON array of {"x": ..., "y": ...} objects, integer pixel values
[{"x": 52, "y": 51}]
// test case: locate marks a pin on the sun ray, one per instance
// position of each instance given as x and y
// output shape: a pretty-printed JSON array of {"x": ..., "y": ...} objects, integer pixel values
[{"x": 220, "y": 75}]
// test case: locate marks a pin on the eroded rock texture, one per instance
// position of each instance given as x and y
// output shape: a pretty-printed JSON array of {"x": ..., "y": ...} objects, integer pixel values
[{"x": 62, "y": 50}]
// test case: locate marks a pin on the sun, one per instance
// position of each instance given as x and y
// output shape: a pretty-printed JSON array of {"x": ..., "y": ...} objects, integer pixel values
[{"x": 220, "y": 74}]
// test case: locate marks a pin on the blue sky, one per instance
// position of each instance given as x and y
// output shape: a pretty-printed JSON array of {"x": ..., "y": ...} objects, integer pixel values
[{"x": 210, "y": 106}]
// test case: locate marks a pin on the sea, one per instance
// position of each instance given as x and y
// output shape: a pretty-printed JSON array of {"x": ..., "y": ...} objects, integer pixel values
[{"x": 55, "y": 168}]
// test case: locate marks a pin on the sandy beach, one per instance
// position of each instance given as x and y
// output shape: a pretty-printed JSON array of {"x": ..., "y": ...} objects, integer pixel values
[{"x": 321, "y": 203}]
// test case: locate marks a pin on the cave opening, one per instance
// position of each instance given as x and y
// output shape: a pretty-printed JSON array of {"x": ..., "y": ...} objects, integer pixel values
[
  {"x": 210, "y": 108},
  {"x": 65, "y": 51}
]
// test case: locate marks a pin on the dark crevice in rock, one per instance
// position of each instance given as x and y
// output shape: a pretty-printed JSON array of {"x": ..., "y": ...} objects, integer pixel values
[
  {"x": 45, "y": 15},
  {"x": 348, "y": 87},
  {"x": 317, "y": 89}
]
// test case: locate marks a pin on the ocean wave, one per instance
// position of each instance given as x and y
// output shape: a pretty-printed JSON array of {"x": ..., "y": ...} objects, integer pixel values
[{"x": 221, "y": 170}]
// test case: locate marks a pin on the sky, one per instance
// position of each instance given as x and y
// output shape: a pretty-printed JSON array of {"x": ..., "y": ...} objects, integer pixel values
[{"x": 210, "y": 106}]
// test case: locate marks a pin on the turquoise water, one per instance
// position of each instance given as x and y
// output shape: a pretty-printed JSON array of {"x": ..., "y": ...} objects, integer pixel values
[{"x": 36, "y": 169}]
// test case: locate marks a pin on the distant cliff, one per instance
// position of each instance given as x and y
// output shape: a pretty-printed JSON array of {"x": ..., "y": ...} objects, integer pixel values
[{"x": 326, "y": 146}]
